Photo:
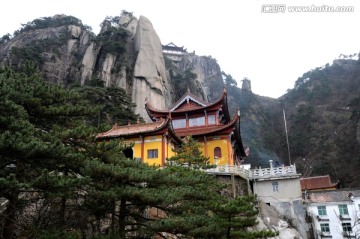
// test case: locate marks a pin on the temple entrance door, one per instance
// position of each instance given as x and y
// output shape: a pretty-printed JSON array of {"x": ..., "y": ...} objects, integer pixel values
[{"x": 128, "y": 152}]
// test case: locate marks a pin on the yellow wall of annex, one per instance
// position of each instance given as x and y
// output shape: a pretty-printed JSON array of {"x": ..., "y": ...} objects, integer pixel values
[
  {"x": 153, "y": 142},
  {"x": 136, "y": 147},
  {"x": 225, "y": 146},
  {"x": 169, "y": 152}
]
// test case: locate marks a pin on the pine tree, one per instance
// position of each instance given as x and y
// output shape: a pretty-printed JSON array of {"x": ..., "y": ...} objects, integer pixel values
[
  {"x": 189, "y": 196},
  {"x": 236, "y": 216},
  {"x": 190, "y": 155},
  {"x": 115, "y": 105},
  {"x": 142, "y": 201},
  {"x": 223, "y": 216},
  {"x": 41, "y": 129}
]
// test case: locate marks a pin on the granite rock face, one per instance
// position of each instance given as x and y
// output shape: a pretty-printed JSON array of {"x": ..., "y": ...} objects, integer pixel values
[
  {"x": 57, "y": 49},
  {"x": 150, "y": 81},
  {"x": 71, "y": 54},
  {"x": 208, "y": 74}
]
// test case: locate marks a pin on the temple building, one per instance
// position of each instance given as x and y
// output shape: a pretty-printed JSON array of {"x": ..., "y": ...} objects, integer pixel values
[
  {"x": 173, "y": 51},
  {"x": 209, "y": 124},
  {"x": 152, "y": 142}
]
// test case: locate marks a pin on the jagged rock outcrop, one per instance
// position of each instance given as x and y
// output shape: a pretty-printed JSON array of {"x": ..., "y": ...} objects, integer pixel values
[
  {"x": 127, "y": 53},
  {"x": 150, "y": 79},
  {"x": 57, "y": 50},
  {"x": 271, "y": 219},
  {"x": 208, "y": 74}
]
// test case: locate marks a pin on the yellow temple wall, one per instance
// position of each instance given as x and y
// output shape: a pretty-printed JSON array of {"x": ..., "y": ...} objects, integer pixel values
[
  {"x": 136, "y": 147},
  {"x": 226, "y": 151},
  {"x": 153, "y": 142},
  {"x": 169, "y": 152}
]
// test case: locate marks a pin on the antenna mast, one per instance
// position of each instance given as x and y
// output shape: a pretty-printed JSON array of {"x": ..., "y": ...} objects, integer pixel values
[{"x": 287, "y": 138}]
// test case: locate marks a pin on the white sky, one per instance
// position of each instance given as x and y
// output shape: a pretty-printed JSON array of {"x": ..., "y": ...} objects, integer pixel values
[{"x": 271, "y": 49}]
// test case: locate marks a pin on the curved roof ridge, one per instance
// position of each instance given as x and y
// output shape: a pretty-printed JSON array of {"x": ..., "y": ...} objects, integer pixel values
[
  {"x": 188, "y": 95},
  {"x": 131, "y": 129},
  {"x": 222, "y": 100}
]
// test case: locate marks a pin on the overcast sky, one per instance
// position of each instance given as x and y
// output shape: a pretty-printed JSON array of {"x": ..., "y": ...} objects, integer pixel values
[{"x": 270, "y": 49}]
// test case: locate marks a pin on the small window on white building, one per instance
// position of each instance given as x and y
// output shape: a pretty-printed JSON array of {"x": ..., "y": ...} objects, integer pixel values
[
  {"x": 347, "y": 227},
  {"x": 343, "y": 210},
  {"x": 322, "y": 210},
  {"x": 325, "y": 227},
  {"x": 275, "y": 186}
]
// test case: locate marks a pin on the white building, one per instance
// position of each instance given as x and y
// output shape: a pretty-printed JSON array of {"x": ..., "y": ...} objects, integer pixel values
[
  {"x": 334, "y": 214},
  {"x": 276, "y": 184},
  {"x": 280, "y": 188}
]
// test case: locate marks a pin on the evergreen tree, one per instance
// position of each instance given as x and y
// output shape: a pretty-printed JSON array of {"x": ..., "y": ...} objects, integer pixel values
[
  {"x": 189, "y": 197},
  {"x": 190, "y": 155},
  {"x": 141, "y": 201},
  {"x": 184, "y": 82},
  {"x": 42, "y": 129},
  {"x": 213, "y": 214},
  {"x": 114, "y": 104},
  {"x": 236, "y": 216}
]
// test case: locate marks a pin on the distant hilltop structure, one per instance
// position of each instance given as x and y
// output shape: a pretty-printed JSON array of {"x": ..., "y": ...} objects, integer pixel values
[
  {"x": 246, "y": 84},
  {"x": 174, "y": 52}
]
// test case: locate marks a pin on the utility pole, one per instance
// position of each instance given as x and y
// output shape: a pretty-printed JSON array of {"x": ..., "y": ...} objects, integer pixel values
[{"x": 287, "y": 138}]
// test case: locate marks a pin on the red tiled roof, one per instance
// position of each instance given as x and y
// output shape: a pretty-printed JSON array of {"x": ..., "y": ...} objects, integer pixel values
[
  {"x": 333, "y": 195},
  {"x": 133, "y": 129},
  {"x": 319, "y": 182}
]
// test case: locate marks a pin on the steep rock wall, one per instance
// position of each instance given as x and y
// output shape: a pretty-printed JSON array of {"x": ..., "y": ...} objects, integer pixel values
[
  {"x": 208, "y": 72},
  {"x": 71, "y": 54},
  {"x": 57, "y": 50},
  {"x": 150, "y": 81}
]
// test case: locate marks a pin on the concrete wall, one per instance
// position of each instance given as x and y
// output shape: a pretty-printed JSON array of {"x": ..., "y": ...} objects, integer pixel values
[{"x": 288, "y": 189}]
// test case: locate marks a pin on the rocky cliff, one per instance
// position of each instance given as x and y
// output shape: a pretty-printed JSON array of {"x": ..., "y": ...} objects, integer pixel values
[{"x": 127, "y": 53}]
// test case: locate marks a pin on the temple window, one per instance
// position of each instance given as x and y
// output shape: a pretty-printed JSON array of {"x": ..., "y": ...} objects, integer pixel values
[
  {"x": 179, "y": 123},
  {"x": 217, "y": 152},
  {"x": 198, "y": 121},
  {"x": 152, "y": 153},
  {"x": 211, "y": 119}
]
